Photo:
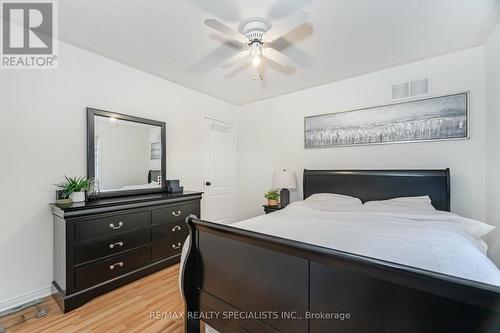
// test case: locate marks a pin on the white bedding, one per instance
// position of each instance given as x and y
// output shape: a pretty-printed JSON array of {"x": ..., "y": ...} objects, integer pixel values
[
  {"x": 432, "y": 240},
  {"x": 435, "y": 241},
  {"x": 142, "y": 186}
]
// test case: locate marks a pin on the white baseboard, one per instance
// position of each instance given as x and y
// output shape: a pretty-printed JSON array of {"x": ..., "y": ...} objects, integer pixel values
[{"x": 26, "y": 297}]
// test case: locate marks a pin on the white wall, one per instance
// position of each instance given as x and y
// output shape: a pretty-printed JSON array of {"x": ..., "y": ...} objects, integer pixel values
[
  {"x": 271, "y": 133},
  {"x": 42, "y": 137},
  {"x": 492, "y": 73}
]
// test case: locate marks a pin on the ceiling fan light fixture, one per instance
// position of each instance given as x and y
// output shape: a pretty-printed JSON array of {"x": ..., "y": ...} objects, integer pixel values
[
  {"x": 257, "y": 32},
  {"x": 256, "y": 52},
  {"x": 256, "y": 60},
  {"x": 256, "y": 49}
]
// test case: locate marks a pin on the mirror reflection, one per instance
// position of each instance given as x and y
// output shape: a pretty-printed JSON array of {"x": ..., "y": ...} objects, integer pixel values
[{"x": 127, "y": 154}]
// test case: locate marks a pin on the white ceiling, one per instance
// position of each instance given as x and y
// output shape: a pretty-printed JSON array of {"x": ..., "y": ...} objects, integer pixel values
[{"x": 343, "y": 38}]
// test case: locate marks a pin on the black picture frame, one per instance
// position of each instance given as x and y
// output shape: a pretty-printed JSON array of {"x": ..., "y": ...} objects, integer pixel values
[{"x": 91, "y": 114}]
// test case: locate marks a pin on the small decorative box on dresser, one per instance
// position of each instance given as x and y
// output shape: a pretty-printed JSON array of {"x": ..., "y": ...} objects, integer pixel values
[{"x": 101, "y": 245}]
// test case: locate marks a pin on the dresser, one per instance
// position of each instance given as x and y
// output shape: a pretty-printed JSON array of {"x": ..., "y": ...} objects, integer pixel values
[{"x": 103, "y": 244}]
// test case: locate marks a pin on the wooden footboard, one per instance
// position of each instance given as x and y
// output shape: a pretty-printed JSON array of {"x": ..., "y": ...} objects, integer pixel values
[{"x": 241, "y": 281}]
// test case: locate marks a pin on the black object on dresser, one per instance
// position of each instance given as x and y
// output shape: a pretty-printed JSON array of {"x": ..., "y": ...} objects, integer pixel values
[
  {"x": 103, "y": 244},
  {"x": 173, "y": 186}
]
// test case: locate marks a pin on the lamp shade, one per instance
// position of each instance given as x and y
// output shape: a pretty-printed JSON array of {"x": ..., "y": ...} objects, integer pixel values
[{"x": 285, "y": 179}]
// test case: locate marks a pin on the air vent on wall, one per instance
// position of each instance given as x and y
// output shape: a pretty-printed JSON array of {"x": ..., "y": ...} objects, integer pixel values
[
  {"x": 419, "y": 87},
  {"x": 400, "y": 90},
  {"x": 411, "y": 88}
]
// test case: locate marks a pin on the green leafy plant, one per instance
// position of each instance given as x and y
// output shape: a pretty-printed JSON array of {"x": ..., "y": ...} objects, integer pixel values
[
  {"x": 73, "y": 185},
  {"x": 272, "y": 194}
]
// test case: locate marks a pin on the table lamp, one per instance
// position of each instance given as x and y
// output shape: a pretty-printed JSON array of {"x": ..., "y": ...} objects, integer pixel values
[{"x": 285, "y": 180}]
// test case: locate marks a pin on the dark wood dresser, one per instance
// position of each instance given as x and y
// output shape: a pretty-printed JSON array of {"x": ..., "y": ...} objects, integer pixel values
[{"x": 103, "y": 244}]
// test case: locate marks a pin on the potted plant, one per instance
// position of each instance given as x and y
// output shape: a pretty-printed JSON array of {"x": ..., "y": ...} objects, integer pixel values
[
  {"x": 272, "y": 197},
  {"x": 74, "y": 188}
]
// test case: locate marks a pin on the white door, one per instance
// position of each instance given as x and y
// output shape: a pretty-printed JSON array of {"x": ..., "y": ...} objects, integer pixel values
[{"x": 219, "y": 164}]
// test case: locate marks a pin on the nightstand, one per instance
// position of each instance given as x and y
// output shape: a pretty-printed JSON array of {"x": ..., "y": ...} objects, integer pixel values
[{"x": 270, "y": 209}]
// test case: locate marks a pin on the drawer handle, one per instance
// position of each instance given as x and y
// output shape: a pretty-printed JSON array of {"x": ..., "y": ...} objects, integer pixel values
[
  {"x": 177, "y": 213},
  {"x": 112, "y": 225},
  {"x": 176, "y": 246},
  {"x": 115, "y": 244},
  {"x": 120, "y": 264},
  {"x": 174, "y": 229}
]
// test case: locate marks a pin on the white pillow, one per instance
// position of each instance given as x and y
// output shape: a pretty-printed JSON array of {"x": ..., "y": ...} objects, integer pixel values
[
  {"x": 335, "y": 198},
  {"x": 331, "y": 202},
  {"x": 400, "y": 205},
  {"x": 476, "y": 228},
  {"x": 482, "y": 246},
  {"x": 422, "y": 209}
]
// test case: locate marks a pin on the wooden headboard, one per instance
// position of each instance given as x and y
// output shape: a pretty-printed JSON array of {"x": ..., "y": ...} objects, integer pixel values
[{"x": 370, "y": 185}]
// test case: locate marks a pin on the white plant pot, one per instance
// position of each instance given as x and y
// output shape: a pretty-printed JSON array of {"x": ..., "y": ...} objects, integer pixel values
[{"x": 77, "y": 196}]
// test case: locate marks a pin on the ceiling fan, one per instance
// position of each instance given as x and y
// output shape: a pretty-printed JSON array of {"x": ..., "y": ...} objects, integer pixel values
[{"x": 258, "y": 33}]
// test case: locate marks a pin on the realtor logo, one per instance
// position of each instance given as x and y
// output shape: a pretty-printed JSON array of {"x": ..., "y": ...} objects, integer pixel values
[{"x": 28, "y": 35}]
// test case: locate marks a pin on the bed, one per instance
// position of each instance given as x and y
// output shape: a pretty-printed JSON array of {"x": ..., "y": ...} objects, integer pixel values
[{"x": 299, "y": 275}]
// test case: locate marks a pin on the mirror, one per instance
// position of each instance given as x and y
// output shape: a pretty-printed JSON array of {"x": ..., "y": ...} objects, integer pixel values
[{"x": 125, "y": 153}]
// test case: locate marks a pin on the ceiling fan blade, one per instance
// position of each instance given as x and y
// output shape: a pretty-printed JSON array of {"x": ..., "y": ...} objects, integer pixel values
[
  {"x": 277, "y": 56},
  {"x": 224, "y": 29},
  {"x": 244, "y": 65},
  {"x": 215, "y": 57},
  {"x": 235, "y": 59},
  {"x": 288, "y": 24}
]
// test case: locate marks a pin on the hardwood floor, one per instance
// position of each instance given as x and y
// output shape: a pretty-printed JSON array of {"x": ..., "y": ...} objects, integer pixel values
[{"x": 126, "y": 309}]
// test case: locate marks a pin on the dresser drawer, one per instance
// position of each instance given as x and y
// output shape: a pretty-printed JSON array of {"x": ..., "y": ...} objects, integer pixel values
[
  {"x": 110, "y": 268},
  {"x": 175, "y": 213},
  {"x": 169, "y": 230},
  {"x": 111, "y": 225},
  {"x": 112, "y": 245},
  {"x": 168, "y": 248}
]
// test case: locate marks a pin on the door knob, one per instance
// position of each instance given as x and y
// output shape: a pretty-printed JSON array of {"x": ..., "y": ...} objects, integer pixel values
[{"x": 208, "y": 183}]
